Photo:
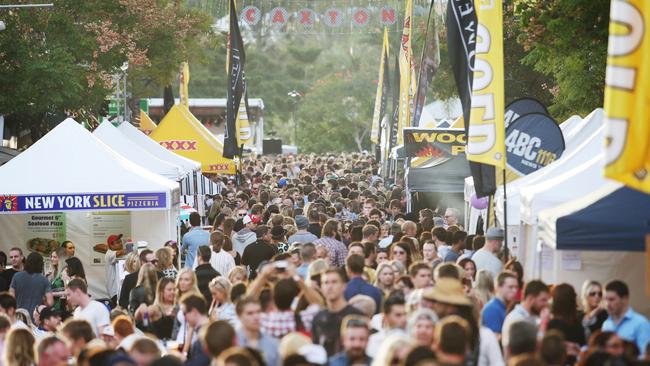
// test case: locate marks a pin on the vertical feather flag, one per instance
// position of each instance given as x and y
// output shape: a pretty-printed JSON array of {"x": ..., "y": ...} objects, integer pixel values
[
  {"x": 382, "y": 92},
  {"x": 486, "y": 135},
  {"x": 407, "y": 81},
  {"x": 428, "y": 65},
  {"x": 627, "y": 94},
  {"x": 461, "y": 42},
  {"x": 236, "y": 86},
  {"x": 184, "y": 87}
]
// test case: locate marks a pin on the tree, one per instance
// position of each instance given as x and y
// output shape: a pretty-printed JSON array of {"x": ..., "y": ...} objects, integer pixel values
[
  {"x": 566, "y": 40},
  {"x": 60, "y": 62}
]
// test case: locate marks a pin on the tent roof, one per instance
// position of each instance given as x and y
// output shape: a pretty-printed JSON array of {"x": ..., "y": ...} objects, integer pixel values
[
  {"x": 180, "y": 132},
  {"x": 70, "y": 160},
  {"x": 154, "y": 148},
  {"x": 611, "y": 218},
  {"x": 7, "y": 154},
  {"x": 146, "y": 123},
  {"x": 580, "y": 147},
  {"x": 109, "y": 135},
  {"x": 448, "y": 177}
]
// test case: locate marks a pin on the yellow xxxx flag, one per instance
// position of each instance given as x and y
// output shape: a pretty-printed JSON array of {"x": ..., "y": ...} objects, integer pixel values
[
  {"x": 184, "y": 81},
  {"x": 627, "y": 94},
  {"x": 486, "y": 140},
  {"x": 407, "y": 88}
]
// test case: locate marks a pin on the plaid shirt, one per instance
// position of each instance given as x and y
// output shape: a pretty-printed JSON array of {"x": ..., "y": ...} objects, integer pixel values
[
  {"x": 278, "y": 323},
  {"x": 338, "y": 250}
]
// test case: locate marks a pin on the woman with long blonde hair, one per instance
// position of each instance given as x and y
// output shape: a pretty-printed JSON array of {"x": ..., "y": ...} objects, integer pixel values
[
  {"x": 186, "y": 283},
  {"x": 19, "y": 348},
  {"x": 385, "y": 279},
  {"x": 222, "y": 308},
  {"x": 165, "y": 257},
  {"x": 162, "y": 312}
]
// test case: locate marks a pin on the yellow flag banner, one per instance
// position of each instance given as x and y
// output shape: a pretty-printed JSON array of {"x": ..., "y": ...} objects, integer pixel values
[
  {"x": 184, "y": 81},
  {"x": 406, "y": 89},
  {"x": 243, "y": 125},
  {"x": 380, "y": 97},
  {"x": 627, "y": 94},
  {"x": 486, "y": 127}
]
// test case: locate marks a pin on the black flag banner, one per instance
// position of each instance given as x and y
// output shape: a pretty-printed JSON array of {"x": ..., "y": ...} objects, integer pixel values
[
  {"x": 168, "y": 98},
  {"x": 236, "y": 85},
  {"x": 461, "y": 42},
  {"x": 429, "y": 64}
]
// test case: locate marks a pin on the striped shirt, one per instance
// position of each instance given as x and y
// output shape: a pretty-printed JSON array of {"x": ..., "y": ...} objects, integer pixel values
[
  {"x": 222, "y": 262},
  {"x": 338, "y": 250}
]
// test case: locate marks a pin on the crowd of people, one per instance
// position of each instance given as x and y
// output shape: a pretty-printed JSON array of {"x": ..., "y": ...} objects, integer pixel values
[{"x": 312, "y": 260}]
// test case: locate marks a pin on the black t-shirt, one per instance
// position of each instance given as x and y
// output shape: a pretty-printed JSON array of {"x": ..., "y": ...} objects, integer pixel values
[
  {"x": 573, "y": 332},
  {"x": 8, "y": 275},
  {"x": 326, "y": 328},
  {"x": 254, "y": 254},
  {"x": 314, "y": 229}
]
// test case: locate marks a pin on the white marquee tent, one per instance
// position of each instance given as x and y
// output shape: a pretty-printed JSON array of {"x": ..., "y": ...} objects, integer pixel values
[{"x": 71, "y": 186}]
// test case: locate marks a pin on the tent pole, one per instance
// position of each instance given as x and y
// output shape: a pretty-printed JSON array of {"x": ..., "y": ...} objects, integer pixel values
[{"x": 505, "y": 217}]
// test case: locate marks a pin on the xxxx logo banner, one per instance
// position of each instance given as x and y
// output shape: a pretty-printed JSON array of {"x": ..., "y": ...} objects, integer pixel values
[{"x": 182, "y": 145}]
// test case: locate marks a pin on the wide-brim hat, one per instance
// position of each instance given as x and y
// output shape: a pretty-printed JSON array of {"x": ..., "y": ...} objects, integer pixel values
[{"x": 448, "y": 291}]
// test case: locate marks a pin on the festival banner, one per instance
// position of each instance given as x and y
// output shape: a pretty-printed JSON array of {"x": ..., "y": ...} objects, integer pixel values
[
  {"x": 485, "y": 143},
  {"x": 44, "y": 233},
  {"x": 439, "y": 143},
  {"x": 520, "y": 107},
  {"x": 382, "y": 93},
  {"x": 461, "y": 43},
  {"x": 428, "y": 65},
  {"x": 85, "y": 201},
  {"x": 236, "y": 86},
  {"x": 627, "y": 94},
  {"x": 407, "y": 81},
  {"x": 533, "y": 141},
  {"x": 184, "y": 83},
  {"x": 394, "y": 124}
]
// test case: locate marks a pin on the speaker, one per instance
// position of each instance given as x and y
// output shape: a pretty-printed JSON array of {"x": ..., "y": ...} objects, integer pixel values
[{"x": 271, "y": 146}]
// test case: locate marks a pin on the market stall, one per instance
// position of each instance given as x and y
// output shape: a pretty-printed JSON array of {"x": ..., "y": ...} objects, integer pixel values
[{"x": 71, "y": 186}]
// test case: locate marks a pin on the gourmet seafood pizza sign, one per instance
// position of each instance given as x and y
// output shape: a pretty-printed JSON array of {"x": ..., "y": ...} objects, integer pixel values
[{"x": 80, "y": 202}]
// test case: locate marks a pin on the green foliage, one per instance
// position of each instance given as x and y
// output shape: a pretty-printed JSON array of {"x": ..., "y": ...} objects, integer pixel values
[
  {"x": 62, "y": 60},
  {"x": 566, "y": 40}
]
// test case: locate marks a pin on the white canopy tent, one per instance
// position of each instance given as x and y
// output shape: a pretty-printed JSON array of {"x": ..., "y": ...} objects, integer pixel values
[
  {"x": 69, "y": 185},
  {"x": 109, "y": 134},
  {"x": 589, "y": 135},
  {"x": 576, "y": 267}
]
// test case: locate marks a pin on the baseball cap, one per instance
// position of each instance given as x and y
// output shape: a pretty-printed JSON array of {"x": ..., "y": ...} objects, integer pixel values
[
  {"x": 494, "y": 233},
  {"x": 113, "y": 238},
  {"x": 301, "y": 221},
  {"x": 247, "y": 219}
]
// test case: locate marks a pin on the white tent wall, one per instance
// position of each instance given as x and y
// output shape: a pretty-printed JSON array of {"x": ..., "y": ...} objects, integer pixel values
[
  {"x": 600, "y": 266},
  {"x": 154, "y": 227}
]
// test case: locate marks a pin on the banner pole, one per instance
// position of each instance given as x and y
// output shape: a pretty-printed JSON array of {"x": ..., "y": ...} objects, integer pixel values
[{"x": 505, "y": 217}]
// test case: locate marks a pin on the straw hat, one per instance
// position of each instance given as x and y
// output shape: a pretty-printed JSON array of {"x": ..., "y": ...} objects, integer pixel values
[{"x": 448, "y": 291}]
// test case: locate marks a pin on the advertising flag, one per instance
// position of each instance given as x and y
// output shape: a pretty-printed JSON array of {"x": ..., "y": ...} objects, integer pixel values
[
  {"x": 407, "y": 81},
  {"x": 394, "y": 121},
  {"x": 428, "y": 65},
  {"x": 486, "y": 135},
  {"x": 627, "y": 94},
  {"x": 184, "y": 81},
  {"x": 236, "y": 86},
  {"x": 461, "y": 43},
  {"x": 382, "y": 94}
]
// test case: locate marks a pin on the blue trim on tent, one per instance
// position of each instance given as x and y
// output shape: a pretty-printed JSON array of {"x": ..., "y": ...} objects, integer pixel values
[{"x": 616, "y": 222}]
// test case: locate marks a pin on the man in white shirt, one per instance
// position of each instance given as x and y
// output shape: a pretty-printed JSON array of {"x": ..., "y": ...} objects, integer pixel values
[
  {"x": 394, "y": 323},
  {"x": 486, "y": 257},
  {"x": 90, "y": 310},
  {"x": 113, "y": 252}
]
